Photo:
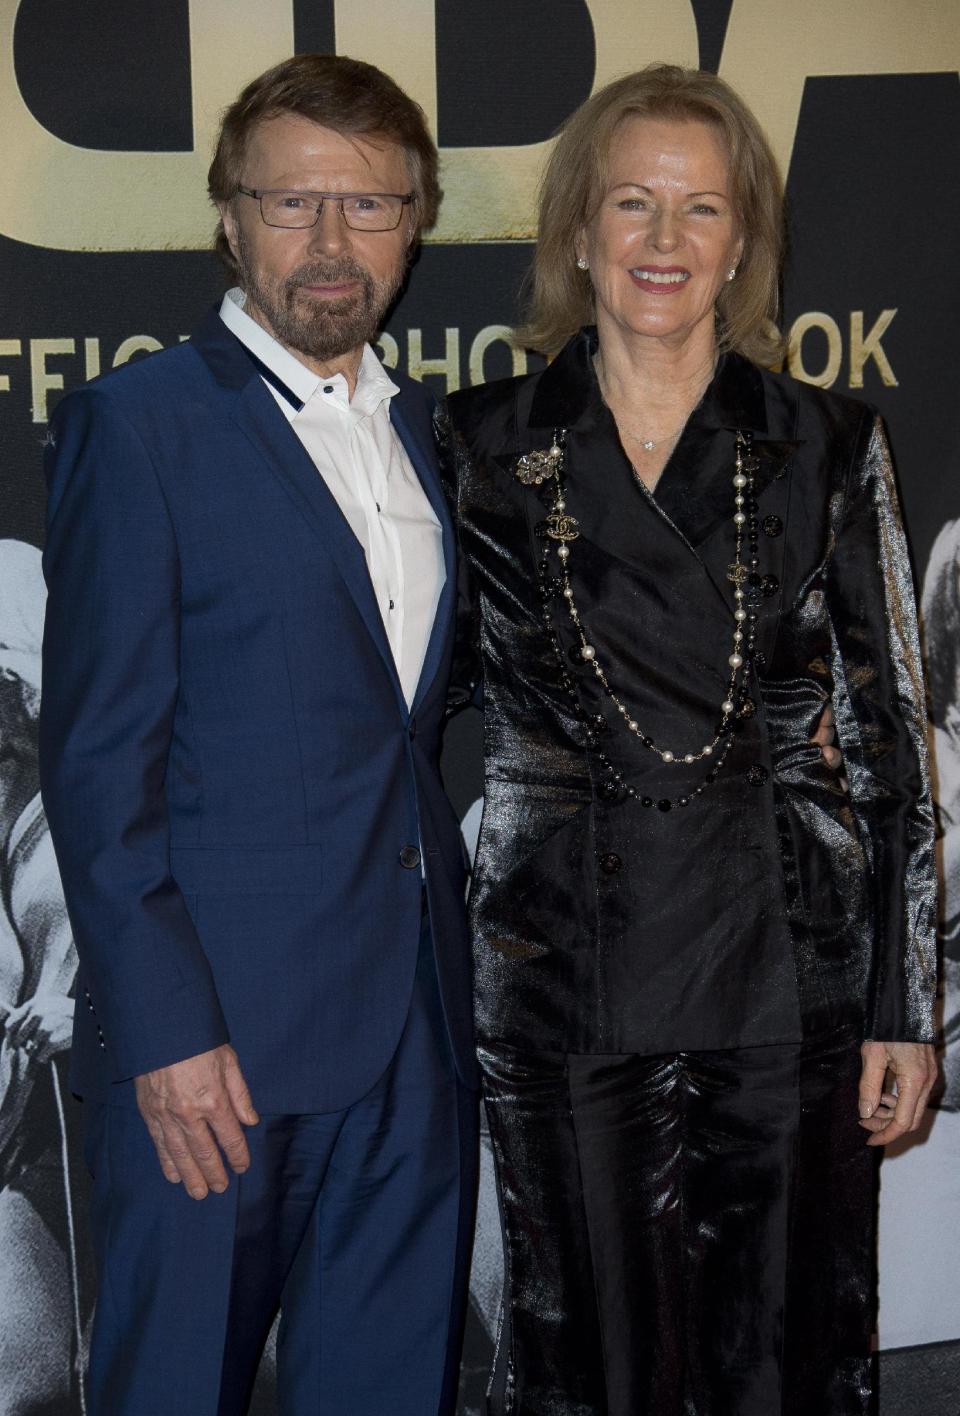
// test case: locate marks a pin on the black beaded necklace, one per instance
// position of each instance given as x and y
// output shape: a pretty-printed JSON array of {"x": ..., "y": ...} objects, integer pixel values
[{"x": 560, "y": 530}]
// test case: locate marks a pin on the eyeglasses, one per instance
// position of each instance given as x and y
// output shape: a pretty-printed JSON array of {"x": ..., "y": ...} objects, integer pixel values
[{"x": 362, "y": 211}]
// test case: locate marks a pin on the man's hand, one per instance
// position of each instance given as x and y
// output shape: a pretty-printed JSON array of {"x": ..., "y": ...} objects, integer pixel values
[
  {"x": 193, "y": 1110},
  {"x": 825, "y": 736},
  {"x": 891, "y": 1114}
]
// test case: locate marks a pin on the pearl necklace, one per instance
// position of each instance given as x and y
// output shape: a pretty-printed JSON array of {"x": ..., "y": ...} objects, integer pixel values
[{"x": 560, "y": 529}]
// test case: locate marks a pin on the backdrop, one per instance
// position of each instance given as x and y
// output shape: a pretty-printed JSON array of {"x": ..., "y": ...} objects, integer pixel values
[{"x": 107, "y": 113}]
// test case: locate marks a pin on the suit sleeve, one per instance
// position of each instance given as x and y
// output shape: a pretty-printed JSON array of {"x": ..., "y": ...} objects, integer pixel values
[
  {"x": 881, "y": 723},
  {"x": 466, "y": 675},
  {"x": 110, "y": 686}
]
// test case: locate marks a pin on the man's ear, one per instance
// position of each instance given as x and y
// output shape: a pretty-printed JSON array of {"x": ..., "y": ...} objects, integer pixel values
[{"x": 229, "y": 221}]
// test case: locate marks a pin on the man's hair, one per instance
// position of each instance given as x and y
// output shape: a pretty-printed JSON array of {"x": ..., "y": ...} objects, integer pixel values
[
  {"x": 345, "y": 95},
  {"x": 561, "y": 297}
]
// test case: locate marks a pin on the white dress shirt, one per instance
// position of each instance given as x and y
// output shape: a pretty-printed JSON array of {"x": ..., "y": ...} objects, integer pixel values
[{"x": 357, "y": 452}]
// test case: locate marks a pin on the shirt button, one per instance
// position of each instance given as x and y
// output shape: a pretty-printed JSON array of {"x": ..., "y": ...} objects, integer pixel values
[
  {"x": 328, "y": 388},
  {"x": 410, "y": 858},
  {"x": 610, "y": 864}
]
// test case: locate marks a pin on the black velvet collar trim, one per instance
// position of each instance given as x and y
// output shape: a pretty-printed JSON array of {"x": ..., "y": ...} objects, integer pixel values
[{"x": 568, "y": 389}]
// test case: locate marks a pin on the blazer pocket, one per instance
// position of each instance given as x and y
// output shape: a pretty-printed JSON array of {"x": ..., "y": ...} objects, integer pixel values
[{"x": 248, "y": 870}]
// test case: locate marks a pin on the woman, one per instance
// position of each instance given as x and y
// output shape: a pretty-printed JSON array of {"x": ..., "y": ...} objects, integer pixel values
[{"x": 685, "y": 928}]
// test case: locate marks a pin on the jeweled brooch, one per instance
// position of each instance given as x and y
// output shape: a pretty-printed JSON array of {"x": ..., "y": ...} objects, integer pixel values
[{"x": 536, "y": 467}]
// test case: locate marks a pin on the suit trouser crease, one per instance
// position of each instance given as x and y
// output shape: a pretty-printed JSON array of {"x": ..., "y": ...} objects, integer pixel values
[{"x": 355, "y": 1223}]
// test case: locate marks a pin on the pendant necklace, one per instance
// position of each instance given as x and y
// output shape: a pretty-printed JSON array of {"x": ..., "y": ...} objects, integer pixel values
[
  {"x": 648, "y": 444},
  {"x": 560, "y": 530}
]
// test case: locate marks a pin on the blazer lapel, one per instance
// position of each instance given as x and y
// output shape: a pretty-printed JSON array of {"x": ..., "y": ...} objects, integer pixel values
[
  {"x": 411, "y": 419},
  {"x": 256, "y": 414},
  {"x": 693, "y": 503}
]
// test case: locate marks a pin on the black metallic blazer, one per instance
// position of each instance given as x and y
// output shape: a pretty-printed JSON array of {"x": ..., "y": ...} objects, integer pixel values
[{"x": 774, "y": 903}]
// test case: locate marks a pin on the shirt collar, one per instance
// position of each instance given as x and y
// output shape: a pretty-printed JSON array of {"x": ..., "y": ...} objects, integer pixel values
[{"x": 290, "y": 376}]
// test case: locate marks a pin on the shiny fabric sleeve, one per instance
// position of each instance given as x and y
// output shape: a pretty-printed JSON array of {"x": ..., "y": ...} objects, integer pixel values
[
  {"x": 466, "y": 676},
  {"x": 881, "y": 724}
]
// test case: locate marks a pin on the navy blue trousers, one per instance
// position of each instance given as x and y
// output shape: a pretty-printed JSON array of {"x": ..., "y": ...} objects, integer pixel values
[{"x": 356, "y": 1225}]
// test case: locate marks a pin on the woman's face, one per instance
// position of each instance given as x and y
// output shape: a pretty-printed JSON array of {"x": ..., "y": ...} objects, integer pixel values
[{"x": 664, "y": 237}]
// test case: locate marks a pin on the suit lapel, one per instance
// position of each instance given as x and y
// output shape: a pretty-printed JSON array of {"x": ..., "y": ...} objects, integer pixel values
[
  {"x": 256, "y": 414},
  {"x": 411, "y": 419}
]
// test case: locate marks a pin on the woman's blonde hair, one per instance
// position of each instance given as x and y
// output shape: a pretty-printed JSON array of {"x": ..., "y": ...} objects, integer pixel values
[{"x": 561, "y": 296}]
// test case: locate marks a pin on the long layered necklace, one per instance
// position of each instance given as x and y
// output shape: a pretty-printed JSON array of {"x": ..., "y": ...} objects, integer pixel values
[{"x": 558, "y": 533}]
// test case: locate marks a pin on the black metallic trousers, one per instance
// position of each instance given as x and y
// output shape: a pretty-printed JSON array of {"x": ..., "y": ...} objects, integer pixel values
[{"x": 686, "y": 1235}]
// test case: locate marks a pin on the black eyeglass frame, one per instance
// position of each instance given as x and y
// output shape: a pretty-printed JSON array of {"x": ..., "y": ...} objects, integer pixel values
[{"x": 404, "y": 198}]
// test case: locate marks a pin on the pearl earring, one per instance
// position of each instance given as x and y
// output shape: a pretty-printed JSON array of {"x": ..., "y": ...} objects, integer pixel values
[
  {"x": 731, "y": 272},
  {"x": 582, "y": 263}
]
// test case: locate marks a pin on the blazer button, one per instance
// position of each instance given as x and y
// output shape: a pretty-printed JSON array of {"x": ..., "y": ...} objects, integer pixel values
[
  {"x": 410, "y": 858},
  {"x": 412, "y": 728},
  {"x": 769, "y": 585},
  {"x": 772, "y": 525},
  {"x": 610, "y": 864},
  {"x": 757, "y": 775},
  {"x": 609, "y": 790}
]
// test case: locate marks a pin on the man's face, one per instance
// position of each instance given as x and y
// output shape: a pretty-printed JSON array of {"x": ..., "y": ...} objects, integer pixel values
[{"x": 322, "y": 291}]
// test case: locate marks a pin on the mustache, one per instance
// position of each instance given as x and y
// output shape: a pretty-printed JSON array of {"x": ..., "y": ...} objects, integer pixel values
[{"x": 329, "y": 273}]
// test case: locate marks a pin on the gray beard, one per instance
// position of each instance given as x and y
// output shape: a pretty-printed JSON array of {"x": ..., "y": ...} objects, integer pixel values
[{"x": 320, "y": 329}]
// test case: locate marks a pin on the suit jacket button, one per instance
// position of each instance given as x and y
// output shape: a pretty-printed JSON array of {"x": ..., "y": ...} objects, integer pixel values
[
  {"x": 757, "y": 775},
  {"x": 410, "y": 858},
  {"x": 772, "y": 525},
  {"x": 610, "y": 864},
  {"x": 412, "y": 728}
]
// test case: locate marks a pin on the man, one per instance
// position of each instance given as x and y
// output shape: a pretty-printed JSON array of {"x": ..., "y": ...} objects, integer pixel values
[{"x": 251, "y": 587}]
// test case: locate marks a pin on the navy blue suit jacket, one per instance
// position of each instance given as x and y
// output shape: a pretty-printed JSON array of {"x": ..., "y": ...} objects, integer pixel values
[{"x": 229, "y": 767}]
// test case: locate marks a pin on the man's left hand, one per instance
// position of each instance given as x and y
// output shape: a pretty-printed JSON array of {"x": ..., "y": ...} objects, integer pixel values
[
  {"x": 890, "y": 1114},
  {"x": 825, "y": 736}
]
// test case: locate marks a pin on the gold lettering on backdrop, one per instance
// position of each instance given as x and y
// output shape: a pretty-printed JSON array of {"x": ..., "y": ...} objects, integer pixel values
[
  {"x": 770, "y": 50},
  {"x": 109, "y": 201},
  {"x": 494, "y": 334},
  {"x": 399, "y": 37},
  {"x": 815, "y": 319},
  {"x": 864, "y": 347},
  {"x": 136, "y": 344},
  {"x": 42, "y": 380},
  {"x": 449, "y": 365},
  {"x": 490, "y": 192},
  {"x": 90, "y": 200},
  {"x": 9, "y": 349},
  {"x": 91, "y": 358},
  {"x": 389, "y": 351},
  {"x": 69, "y": 198}
]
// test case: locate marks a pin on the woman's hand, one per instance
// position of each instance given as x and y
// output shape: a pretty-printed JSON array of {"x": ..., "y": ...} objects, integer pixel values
[{"x": 892, "y": 1114}]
